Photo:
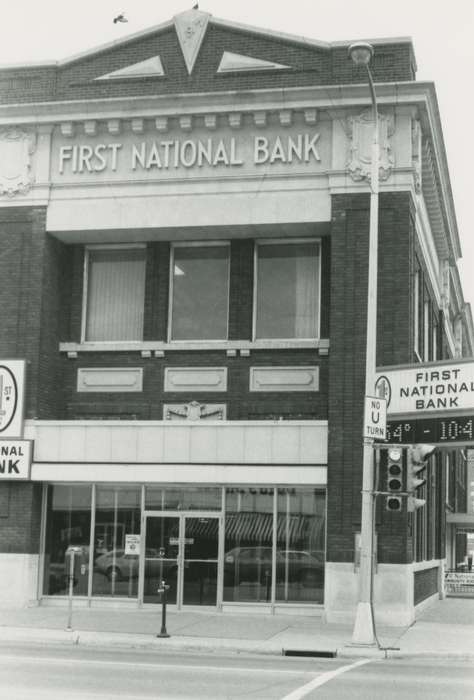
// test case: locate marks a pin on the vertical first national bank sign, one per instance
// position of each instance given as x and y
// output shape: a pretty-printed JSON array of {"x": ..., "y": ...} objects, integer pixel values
[{"x": 15, "y": 453}]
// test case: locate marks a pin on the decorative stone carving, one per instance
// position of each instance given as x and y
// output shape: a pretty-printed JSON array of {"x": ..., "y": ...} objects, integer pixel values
[
  {"x": 16, "y": 149},
  {"x": 193, "y": 411},
  {"x": 191, "y": 27},
  {"x": 236, "y": 62},
  {"x": 310, "y": 116},
  {"x": 361, "y": 130},
  {"x": 90, "y": 127},
  {"x": 161, "y": 124},
  {"x": 149, "y": 68}
]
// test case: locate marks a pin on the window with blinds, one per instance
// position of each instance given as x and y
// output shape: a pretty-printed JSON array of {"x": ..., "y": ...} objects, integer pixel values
[
  {"x": 115, "y": 294},
  {"x": 287, "y": 290}
]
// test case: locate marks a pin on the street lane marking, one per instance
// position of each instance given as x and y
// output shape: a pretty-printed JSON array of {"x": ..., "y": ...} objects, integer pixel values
[
  {"x": 62, "y": 661},
  {"x": 322, "y": 679}
]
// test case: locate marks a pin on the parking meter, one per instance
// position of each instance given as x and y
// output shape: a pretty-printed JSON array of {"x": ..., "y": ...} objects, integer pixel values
[
  {"x": 74, "y": 563},
  {"x": 162, "y": 591}
]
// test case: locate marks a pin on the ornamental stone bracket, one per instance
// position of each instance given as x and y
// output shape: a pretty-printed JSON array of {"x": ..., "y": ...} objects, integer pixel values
[
  {"x": 16, "y": 149},
  {"x": 188, "y": 122},
  {"x": 360, "y": 131}
]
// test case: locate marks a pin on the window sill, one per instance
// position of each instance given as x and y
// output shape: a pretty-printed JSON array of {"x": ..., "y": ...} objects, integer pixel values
[{"x": 157, "y": 349}]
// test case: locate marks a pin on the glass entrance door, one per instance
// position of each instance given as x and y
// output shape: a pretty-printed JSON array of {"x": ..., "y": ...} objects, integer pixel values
[
  {"x": 183, "y": 551},
  {"x": 162, "y": 555},
  {"x": 201, "y": 546}
]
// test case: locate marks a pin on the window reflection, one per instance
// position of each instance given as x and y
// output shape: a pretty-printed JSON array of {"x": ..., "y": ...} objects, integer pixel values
[
  {"x": 248, "y": 544},
  {"x": 116, "y": 555},
  {"x": 300, "y": 551},
  {"x": 68, "y": 523}
]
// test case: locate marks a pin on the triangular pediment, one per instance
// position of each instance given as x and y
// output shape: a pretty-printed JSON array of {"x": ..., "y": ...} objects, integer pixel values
[
  {"x": 191, "y": 27},
  {"x": 231, "y": 62},
  {"x": 143, "y": 69}
]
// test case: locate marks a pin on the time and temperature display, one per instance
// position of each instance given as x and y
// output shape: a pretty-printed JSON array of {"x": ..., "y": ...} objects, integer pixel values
[{"x": 458, "y": 429}]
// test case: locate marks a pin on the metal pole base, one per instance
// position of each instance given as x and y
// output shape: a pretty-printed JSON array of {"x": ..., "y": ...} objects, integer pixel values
[
  {"x": 363, "y": 632},
  {"x": 163, "y": 634}
]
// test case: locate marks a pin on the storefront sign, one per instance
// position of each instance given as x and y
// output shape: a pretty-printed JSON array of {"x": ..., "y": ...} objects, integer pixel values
[
  {"x": 174, "y": 155},
  {"x": 12, "y": 379},
  {"x": 185, "y": 153},
  {"x": 428, "y": 388},
  {"x": 132, "y": 544},
  {"x": 15, "y": 460}
]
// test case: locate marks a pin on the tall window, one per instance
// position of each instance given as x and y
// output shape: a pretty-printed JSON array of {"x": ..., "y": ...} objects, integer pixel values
[
  {"x": 287, "y": 290},
  {"x": 416, "y": 313},
  {"x": 200, "y": 292},
  {"x": 115, "y": 292}
]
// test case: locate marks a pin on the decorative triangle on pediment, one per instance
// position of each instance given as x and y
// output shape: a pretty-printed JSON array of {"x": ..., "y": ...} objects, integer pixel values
[
  {"x": 191, "y": 27},
  {"x": 144, "y": 69},
  {"x": 237, "y": 62}
]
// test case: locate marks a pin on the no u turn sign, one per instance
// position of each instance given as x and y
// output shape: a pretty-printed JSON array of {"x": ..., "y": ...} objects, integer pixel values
[{"x": 375, "y": 418}]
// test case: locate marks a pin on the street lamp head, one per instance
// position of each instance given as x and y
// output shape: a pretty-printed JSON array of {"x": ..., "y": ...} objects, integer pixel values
[{"x": 361, "y": 53}]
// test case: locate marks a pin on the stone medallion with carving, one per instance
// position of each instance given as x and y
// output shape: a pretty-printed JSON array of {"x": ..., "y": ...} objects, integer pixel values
[
  {"x": 361, "y": 132},
  {"x": 16, "y": 149}
]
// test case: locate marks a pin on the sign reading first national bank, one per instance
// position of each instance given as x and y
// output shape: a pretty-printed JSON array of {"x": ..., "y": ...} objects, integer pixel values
[
  {"x": 105, "y": 156},
  {"x": 428, "y": 389}
]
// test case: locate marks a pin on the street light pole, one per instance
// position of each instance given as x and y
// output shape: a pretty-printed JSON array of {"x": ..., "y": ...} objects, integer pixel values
[{"x": 364, "y": 630}]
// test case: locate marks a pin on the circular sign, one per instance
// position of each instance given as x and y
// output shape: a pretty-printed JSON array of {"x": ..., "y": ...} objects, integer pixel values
[
  {"x": 383, "y": 389},
  {"x": 8, "y": 397}
]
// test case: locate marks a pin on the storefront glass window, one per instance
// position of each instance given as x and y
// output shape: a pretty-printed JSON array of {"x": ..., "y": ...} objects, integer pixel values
[
  {"x": 287, "y": 290},
  {"x": 300, "y": 551},
  {"x": 184, "y": 498},
  {"x": 117, "y": 541},
  {"x": 200, "y": 292},
  {"x": 248, "y": 544},
  {"x": 68, "y": 522}
]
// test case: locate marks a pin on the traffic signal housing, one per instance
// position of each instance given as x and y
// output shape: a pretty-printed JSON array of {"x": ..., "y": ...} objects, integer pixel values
[
  {"x": 394, "y": 483},
  {"x": 418, "y": 457}
]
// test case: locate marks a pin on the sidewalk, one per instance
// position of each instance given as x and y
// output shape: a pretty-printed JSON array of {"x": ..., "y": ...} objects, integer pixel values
[{"x": 446, "y": 629}]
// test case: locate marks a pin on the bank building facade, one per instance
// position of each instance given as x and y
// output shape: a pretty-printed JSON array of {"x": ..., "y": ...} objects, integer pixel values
[{"x": 184, "y": 219}]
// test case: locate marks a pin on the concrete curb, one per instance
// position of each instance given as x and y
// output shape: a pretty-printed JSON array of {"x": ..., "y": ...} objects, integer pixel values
[{"x": 274, "y": 647}]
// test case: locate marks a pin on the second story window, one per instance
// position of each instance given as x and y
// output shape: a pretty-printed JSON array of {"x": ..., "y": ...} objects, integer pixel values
[
  {"x": 200, "y": 292},
  {"x": 287, "y": 290},
  {"x": 114, "y": 292}
]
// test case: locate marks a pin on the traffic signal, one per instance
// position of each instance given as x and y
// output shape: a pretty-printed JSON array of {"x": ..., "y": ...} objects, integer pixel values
[
  {"x": 393, "y": 501},
  {"x": 418, "y": 456}
]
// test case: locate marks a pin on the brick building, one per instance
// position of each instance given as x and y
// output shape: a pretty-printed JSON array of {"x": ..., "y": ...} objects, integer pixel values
[{"x": 184, "y": 222}]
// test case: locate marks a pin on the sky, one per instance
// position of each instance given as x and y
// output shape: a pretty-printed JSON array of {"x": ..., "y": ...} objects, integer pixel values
[{"x": 442, "y": 34}]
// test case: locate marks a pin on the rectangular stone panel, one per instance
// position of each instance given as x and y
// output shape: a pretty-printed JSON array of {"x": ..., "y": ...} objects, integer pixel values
[
  {"x": 196, "y": 379},
  {"x": 284, "y": 378},
  {"x": 110, "y": 379}
]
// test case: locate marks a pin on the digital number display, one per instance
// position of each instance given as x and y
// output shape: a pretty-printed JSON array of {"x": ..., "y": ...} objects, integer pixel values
[{"x": 444, "y": 430}]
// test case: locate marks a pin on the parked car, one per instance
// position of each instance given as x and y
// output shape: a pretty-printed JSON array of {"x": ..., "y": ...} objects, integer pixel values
[
  {"x": 254, "y": 564},
  {"x": 117, "y": 565}
]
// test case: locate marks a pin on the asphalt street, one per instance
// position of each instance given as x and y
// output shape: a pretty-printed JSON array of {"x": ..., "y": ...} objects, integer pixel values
[{"x": 75, "y": 673}]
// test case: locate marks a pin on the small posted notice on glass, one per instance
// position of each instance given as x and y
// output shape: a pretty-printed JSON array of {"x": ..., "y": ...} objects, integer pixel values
[{"x": 132, "y": 544}]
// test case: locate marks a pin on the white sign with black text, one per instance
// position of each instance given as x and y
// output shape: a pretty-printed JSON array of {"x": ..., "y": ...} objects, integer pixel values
[
  {"x": 427, "y": 388},
  {"x": 375, "y": 418},
  {"x": 15, "y": 460}
]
